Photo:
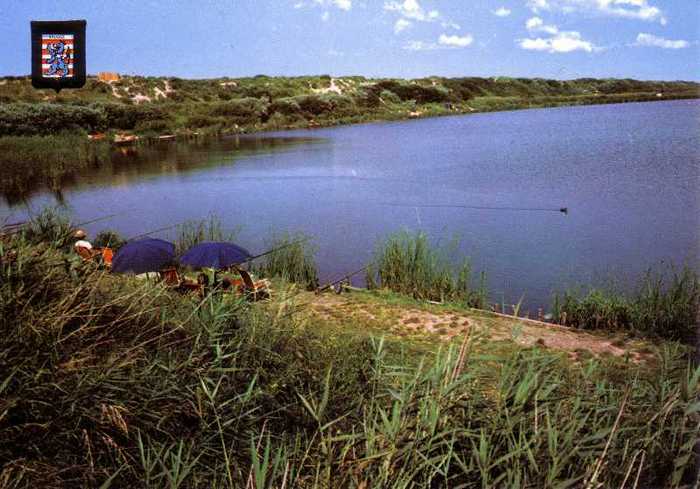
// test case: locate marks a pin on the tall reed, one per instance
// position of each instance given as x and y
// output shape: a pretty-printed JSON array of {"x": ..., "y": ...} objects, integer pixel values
[
  {"x": 108, "y": 381},
  {"x": 292, "y": 259},
  {"x": 664, "y": 304},
  {"x": 193, "y": 232},
  {"x": 410, "y": 265}
]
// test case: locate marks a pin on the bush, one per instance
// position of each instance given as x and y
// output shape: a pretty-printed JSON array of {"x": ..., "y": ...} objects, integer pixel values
[
  {"x": 242, "y": 111},
  {"x": 285, "y": 106},
  {"x": 120, "y": 116},
  {"x": 109, "y": 239},
  {"x": 45, "y": 119},
  {"x": 413, "y": 91},
  {"x": 390, "y": 97}
]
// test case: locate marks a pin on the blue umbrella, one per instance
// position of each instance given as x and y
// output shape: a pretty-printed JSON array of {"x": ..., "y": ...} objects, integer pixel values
[
  {"x": 144, "y": 255},
  {"x": 215, "y": 255}
]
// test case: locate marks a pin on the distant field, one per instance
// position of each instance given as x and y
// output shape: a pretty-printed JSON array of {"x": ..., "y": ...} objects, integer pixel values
[{"x": 159, "y": 105}]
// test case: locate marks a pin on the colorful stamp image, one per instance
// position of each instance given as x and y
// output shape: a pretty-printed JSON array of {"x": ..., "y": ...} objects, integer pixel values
[{"x": 57, "y": 55}]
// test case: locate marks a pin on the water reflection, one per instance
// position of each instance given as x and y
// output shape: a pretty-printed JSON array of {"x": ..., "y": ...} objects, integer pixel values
[{"x": 124, "y": 165}]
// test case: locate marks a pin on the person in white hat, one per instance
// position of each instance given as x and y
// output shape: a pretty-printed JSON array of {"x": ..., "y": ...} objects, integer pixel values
[{"x": 83, "y": 247}]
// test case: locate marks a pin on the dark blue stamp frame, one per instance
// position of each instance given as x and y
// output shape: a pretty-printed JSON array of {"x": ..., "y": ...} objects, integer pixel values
[{"x": 77, "y": 29}]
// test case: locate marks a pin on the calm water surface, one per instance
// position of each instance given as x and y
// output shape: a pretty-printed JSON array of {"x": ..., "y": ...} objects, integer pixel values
[{"x": 629, "y": 175}]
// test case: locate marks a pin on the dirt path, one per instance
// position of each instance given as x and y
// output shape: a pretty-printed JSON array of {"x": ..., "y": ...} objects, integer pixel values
[{"x": 445, "y": 324}]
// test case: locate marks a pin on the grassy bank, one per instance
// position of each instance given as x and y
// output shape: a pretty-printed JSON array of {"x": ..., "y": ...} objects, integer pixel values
[
  {"x": 662, "y": 305},
  {"x": 108, "y": 381},
  {"x": 160, "y": 105}
]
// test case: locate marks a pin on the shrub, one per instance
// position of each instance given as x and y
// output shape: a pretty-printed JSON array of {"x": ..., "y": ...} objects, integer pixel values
[
  {"x": 242, "y": 111},
  {"x": 390, "y": 97},
  {"x": 286, "y": 106},
  {"x": 44, "y": 118},
  {"x": 110, "y": 239}
]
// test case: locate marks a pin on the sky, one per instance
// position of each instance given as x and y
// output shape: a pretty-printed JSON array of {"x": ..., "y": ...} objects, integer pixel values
[{"x": 562, "y": 39}]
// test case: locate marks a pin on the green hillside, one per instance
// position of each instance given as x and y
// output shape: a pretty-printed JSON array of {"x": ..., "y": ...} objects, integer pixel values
[{"x": 148, "y": 105}]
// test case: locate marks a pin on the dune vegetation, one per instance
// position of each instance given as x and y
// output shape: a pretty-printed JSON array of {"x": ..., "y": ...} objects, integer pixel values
[
  {"x": 149, "y": 105},
  {"x": 111, "y": 381}
]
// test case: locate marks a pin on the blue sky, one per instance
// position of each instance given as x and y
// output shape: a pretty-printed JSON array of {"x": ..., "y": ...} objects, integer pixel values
[{"x": 644, "y": 39}]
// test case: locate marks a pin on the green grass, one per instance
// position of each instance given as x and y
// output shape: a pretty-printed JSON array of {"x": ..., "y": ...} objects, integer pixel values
[
  {"x": 193, "y": 232},
  {"x": 108, "y": 381},
  {"x": 292, "y": 259},
  {"x": 410, "y": 265},
  {"x": 664, "y": 305}
]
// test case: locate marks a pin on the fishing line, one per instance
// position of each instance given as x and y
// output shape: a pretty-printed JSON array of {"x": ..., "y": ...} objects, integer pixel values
[
  {"x": 156, "y": 231},
  {"x": 277, "y": 249},
  {"x": 563, "y": 210}
]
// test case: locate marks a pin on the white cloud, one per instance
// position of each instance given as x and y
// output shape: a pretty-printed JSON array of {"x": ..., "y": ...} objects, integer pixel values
[
  {"x": 455, "y": 41},
  {"x": 562, "y": 42},
  {"x": 341, "y": 4},
  {"x": 629, "y": 9},
  {"x": 411, "y": 9},
  {"x": 401, "y": 25},
  {"x": 501, "y": 12},
  {"x": 443, "y": 42},
  {"x": 650, "y": 40},
  {"x": 535, "y": 24},
  {"x": 325, "y": 16}
]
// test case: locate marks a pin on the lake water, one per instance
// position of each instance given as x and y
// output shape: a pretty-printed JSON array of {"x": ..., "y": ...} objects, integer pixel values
[{"x": 629, "y": 175}]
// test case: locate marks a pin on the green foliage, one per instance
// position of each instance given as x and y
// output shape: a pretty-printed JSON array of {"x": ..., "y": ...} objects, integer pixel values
[
  {"x": 247, "y": 104},
  {"x": 389, "y": 97},
  {"x": 664, "y": 305},
  {"x": 32, "y": 119},
  {"x": 148, "y": 388},
  {"x": 109, "y": 239},
  {"x": 51, "y": 225},
  {"x": 285, "y": 106},
  {"x": 291, "y": 260},
  {"x": 409, "y": 265},
  {"x": 193, "y": 232}
]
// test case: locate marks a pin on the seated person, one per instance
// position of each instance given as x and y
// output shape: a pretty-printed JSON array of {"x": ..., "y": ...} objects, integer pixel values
[{"x": 83, "y": 247}]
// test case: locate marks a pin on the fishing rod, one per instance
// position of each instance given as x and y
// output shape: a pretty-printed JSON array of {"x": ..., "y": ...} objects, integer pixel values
[
  {"x": 563, "y": 210},
  {"x": 24, "y": 223},
  {"x": 167, "y": 228},
  {"x": 96, "y": 220},
  {"x": 344, "y": 277},
  {"x": 277, "y": 249}
]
